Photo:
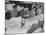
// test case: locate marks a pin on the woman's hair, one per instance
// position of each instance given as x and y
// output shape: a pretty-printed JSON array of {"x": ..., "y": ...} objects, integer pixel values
[{"x": 7, "y": 15}]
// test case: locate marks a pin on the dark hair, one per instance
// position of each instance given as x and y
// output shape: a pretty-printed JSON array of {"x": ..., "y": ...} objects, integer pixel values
[
  {"x": 7, "y": 15},
  {"x": 14, "y": 6}
]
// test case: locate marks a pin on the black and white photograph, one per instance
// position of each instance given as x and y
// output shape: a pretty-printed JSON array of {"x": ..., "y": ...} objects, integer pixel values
[{"x": 24, "y": 17}]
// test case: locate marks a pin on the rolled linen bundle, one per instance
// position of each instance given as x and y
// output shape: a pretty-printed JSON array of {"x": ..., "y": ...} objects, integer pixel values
[
  {"x": 17, "y": 21},
  {"x": 14, "y": 23}
]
